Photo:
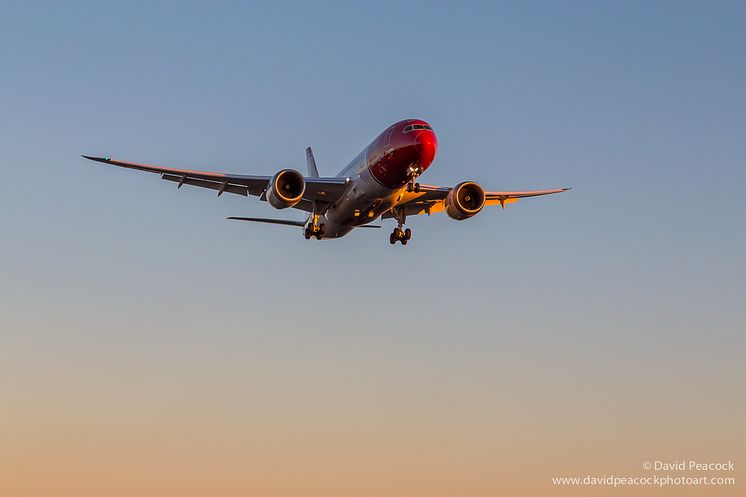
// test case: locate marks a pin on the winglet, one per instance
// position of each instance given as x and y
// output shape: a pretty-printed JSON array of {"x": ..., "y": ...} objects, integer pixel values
[
  {"x": 313, "y": 172},
  {"x": 97, "y": 159}
]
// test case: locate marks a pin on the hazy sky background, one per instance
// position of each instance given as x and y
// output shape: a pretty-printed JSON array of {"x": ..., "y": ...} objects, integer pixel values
[{"x": 149, "y": 347}]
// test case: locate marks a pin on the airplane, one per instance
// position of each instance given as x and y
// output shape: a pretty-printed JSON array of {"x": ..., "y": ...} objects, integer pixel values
[{"x": 380, "y": 182}]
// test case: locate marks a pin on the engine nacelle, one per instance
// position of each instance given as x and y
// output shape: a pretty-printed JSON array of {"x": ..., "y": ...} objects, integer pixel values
[
  {"x": 286, "y": 189},
  {"x": 465, "y": 200}
]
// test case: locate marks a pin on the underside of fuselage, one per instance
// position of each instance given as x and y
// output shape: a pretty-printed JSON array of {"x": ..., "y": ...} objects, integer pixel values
[{"x": 378, "y": 175}]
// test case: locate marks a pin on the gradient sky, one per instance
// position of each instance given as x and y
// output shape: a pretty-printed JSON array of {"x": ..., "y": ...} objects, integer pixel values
[{"x": 149, "y": 347}]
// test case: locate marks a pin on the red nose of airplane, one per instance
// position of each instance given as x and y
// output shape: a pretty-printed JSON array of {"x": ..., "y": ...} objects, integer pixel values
[{"x": 426, "y": 145}]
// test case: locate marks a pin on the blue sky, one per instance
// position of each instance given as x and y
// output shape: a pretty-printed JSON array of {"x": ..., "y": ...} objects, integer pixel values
[{"x": 638, "y": 271}]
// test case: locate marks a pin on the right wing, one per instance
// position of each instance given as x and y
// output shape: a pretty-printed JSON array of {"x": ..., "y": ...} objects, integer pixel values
[
  {"x": 430, "y": 199},
  {"x": 325, "y": 190}
]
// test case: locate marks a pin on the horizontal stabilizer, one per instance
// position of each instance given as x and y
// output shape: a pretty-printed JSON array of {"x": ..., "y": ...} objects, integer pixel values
[{"x": 286, "y": 222}]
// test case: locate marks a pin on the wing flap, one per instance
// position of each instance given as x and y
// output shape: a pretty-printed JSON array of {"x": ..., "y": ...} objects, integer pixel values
[
  {"x": 529, "y": 193},
  {"x": 501, "y": 202},
  {"x": 253, "y": 185},
  {"x": 211, "y": 176},
  {"x": 212, "y": 185}
]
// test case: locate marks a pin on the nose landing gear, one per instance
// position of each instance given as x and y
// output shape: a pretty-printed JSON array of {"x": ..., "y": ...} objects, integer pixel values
[
  {"x": 413, "y": 171},
  {"x": 413, "y": 187}
]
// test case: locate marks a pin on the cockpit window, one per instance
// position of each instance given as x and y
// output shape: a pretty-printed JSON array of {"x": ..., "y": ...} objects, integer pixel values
[{"x": 411, "y": 127}]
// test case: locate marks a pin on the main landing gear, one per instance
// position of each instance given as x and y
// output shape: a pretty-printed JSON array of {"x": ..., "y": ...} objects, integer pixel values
[
  {"x": 400, "y": 235},
  {"x": 314, "y": 230}
]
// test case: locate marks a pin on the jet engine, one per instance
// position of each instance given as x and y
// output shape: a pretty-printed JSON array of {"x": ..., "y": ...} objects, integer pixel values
[
  {"x": 465, "y": 200},
  {"x": 286, "y": 189}
]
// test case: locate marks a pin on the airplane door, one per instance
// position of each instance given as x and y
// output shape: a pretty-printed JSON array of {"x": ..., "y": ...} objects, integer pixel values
[{"x": 387, "y": 137}]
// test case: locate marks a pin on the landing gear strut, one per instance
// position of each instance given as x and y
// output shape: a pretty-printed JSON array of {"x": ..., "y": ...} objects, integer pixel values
[
  {"x": 399, "y": 234},
  {"x": 413, "y": 172}
]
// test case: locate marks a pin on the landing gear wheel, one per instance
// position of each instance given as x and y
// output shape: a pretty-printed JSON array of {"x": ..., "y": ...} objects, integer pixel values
[
  {"x": 400, "y": 235},
  {"x": 314, "y": 230},
  {"x": 417, "y": 188}
]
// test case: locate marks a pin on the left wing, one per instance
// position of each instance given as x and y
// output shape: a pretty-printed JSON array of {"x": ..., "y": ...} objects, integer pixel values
[
  {"x": 430, "y": 199},
  {"x": 317, "y": 189}
]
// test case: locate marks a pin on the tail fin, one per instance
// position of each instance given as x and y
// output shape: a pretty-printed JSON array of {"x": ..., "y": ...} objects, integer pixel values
[{"x": 312, "y": 171}]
